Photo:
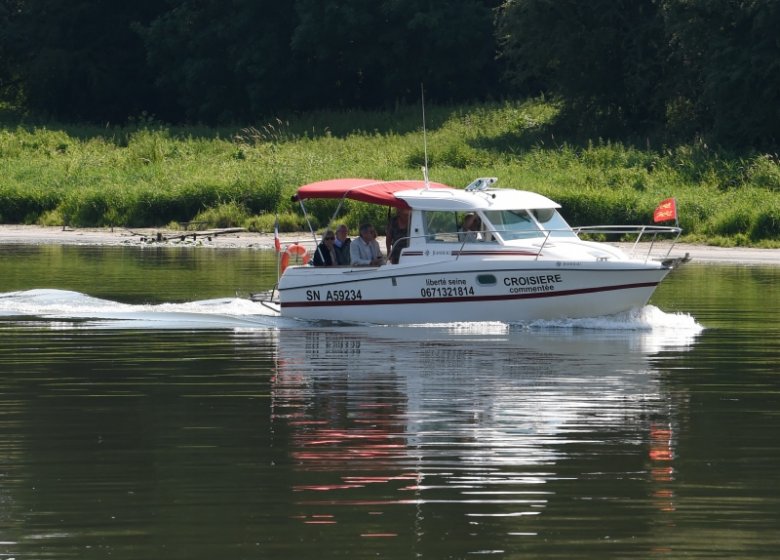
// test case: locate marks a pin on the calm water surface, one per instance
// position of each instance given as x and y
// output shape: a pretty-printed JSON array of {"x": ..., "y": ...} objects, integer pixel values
[{"x": 146, "y": 411}]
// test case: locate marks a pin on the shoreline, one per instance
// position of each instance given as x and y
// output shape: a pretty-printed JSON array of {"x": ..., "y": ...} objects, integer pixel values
[{"x": 227, "y": 239}]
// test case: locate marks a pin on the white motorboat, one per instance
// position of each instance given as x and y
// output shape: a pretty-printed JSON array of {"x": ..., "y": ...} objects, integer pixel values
[{"x": 523, "y": 263}]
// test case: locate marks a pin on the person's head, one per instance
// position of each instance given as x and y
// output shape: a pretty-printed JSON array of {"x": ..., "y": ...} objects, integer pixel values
[
  {"x": 469, "y": 220},
  {"x": 342, "y": 232},
  {"x": 367, "y": 232},
  {"x": 328, "y": 237}
]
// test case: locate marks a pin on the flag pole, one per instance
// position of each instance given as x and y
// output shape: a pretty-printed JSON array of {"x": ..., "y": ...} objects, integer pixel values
[
  {"x": 277, "y": 247},
  {"x": 676, "y": 214}
]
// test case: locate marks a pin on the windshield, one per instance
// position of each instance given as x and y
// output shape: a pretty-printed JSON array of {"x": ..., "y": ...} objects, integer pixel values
[
  {"x": 551, "y": 220},
  {"x": 520, "y": 224}
]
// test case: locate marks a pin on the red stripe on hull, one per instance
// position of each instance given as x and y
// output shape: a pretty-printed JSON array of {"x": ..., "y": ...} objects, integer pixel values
[{"x": 507, "y": 297}]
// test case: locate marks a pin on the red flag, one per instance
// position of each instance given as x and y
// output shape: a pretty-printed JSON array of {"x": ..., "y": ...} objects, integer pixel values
[
  {"x": 277, "y": 243},
  {"x": 667, "y": 210}
]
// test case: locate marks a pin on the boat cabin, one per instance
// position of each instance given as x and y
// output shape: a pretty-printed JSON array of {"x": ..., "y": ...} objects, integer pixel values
[{"x": 441, "y": 215}]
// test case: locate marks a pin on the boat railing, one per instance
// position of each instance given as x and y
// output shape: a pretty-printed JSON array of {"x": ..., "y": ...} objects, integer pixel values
[
  {"x": 638, "y": 241},
  {"x": 644, "y": 240}
]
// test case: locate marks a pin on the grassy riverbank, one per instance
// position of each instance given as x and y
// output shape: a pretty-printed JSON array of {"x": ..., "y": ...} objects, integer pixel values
[{"x": 147, "y": 174}]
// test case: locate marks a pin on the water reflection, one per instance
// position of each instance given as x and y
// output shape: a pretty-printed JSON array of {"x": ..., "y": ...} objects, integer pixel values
[{"x": 479, "y": 424}]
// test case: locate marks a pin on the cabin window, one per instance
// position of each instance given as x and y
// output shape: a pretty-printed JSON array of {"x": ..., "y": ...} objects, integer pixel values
[
  {"x": 551, "y": 220},
  {"x": 513, "y": 224},
  {"x": 444, "y": 227},
  {"x": 440, "y": 226}
]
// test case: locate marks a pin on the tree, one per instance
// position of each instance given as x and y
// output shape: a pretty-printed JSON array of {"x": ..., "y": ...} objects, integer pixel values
[
  {"x": 449, "y": 46},
  {"x": 80, "y": 59},
  {"x": 222, "y": 61},
  {"x": 727, "y": 59},
  {"x": 9, "y": 70},
  {"x": 376, "y": 54},
  {"x": 604, "y": 57},
  {"x": 340, "y": 46}
]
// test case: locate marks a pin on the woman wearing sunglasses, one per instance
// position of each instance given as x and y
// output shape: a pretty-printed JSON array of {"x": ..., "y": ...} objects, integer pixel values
[{"x": 325, "y": 255}]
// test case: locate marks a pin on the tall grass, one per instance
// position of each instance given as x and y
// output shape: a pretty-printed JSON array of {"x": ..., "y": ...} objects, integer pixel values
[{"x": 148, "y": 174}]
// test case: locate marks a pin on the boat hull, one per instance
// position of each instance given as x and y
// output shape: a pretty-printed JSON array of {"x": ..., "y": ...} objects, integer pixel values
[{"x": 446, "y": 293}]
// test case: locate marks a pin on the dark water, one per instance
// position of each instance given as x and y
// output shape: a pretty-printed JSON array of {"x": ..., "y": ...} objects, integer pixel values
[{"x": 146, "y": 412}]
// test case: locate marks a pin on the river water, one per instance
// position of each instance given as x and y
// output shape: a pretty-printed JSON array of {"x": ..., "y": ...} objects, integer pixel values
[{"x": 149, "y": 411}]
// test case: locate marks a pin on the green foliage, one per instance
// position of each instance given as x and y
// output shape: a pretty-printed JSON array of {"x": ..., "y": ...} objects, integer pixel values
[
  {"x": 427, "y": 36},
  {"x": 20, "y": 205},
  {"x": 224, "y": 215},
  {"x": 94, "y": 207},
  {"x": 674, "y": 71},
  {"x": 732, "y": 221},
  {"x": 150, "y": 146},
  {"x": 603, "y": 57},
  {"x": 264, "y": 223},
  {"x": 684, "y": 68},
  {"x": 728, "y": 86},
  {"x": 767, "y": 223},
  {"x": 51, "y": 218},
  {"x": 77, "y": 60},
  {"x": 764, "y": 172},
  {"x": 154, "y": 176},
  {"x": 200, "y": 62}
]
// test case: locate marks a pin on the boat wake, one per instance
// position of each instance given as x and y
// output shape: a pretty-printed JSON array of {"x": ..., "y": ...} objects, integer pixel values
[
  {"x": 649, "y": 328},
  {"x": 68, "y": 309}
]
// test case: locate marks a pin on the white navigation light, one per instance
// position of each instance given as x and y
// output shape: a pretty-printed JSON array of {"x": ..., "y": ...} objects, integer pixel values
[{"x": 482, "y": 183}]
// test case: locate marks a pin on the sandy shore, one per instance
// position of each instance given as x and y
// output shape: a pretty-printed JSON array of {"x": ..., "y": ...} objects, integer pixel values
[{"x": 37, "y": 235}]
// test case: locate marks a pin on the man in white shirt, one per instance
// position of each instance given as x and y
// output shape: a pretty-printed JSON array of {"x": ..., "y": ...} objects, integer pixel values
[{"x": 364, "y": 250}]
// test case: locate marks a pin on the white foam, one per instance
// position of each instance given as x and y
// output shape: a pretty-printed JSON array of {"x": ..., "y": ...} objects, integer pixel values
[
  {"x": 660, "y": 329},
  {"x": 73, "y": 307},
  {"x": 646, "y": 318}
]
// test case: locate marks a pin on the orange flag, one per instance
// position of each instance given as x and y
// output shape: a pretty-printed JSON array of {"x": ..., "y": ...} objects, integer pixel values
[{"x": 667, "y": 210}]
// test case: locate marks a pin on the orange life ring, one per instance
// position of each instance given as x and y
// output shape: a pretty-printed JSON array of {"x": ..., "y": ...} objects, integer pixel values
[{"x": 294, "y": 249}]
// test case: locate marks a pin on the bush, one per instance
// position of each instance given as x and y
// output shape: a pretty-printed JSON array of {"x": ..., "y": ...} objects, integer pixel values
[
  {"x": 94, "y": 207},
  {"x": 264, "y": 223},
  {"x": 230, "y": 214},
  {"x": 731, "y": 222},
  {"x": 586, "y": 210},
  {"x": 764, "y": 172},
  {"x": 766, "y": 224},
  {"x": 149, "y": 146},
  {"x": 51, "y": 218},
  {"x": 151, "y": 207},
  {"x": 18, "y": 205}
]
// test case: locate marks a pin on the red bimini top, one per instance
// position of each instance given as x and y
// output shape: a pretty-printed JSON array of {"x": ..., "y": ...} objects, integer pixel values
[{"x": 364, "y": 190}]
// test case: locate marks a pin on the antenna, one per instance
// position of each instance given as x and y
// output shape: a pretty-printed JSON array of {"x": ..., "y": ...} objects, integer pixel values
[{"x": 425, "y": 136}]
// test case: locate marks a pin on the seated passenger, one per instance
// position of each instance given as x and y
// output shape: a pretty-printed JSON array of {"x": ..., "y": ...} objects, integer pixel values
[
  {"x": 325, "y": 254},
  {"x": 341, "y": 245},
  {"x": 364, "y": 250},
  {"x": 470, "y": 230}
]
